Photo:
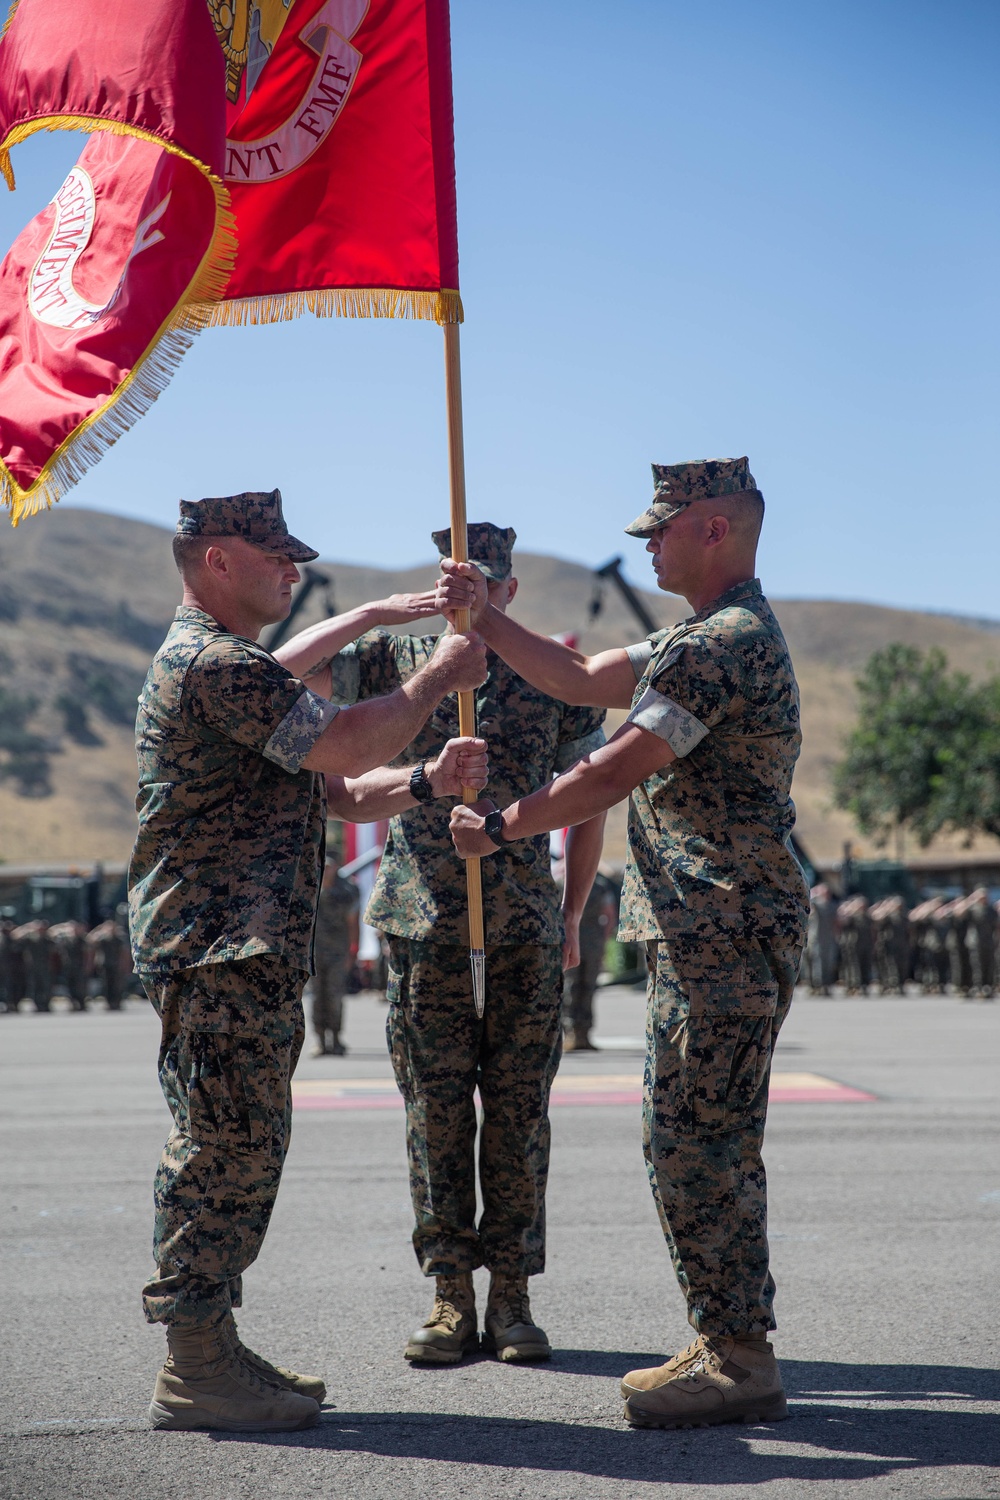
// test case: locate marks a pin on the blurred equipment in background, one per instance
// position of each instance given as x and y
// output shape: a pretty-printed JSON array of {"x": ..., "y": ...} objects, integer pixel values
[
  {"x": 312, "y": 579},
  {"x": 611, "y": 573}
]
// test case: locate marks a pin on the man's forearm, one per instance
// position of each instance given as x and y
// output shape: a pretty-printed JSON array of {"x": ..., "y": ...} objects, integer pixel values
[
  {"x": 367, "y": 799},
  {"x": 554, "y": 668},
  {"x": 372, "y": 733},
  {"x": 584, "y": 843},
  {"x": 603, "y": 681},
  {"x": 585, "y": 791},
  {"x": 310, "y": 651}
]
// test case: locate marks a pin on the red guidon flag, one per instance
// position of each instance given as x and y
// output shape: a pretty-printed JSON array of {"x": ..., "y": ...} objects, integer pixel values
[
  {"x": 101, "y": 292},
  {"x": 340, "y": 159},
  {"x": 322, "y": 127}
]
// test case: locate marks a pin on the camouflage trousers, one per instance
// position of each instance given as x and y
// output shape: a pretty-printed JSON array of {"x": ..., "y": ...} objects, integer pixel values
[
  {"x": 441, "y": 1052},
  {"x": 232, "y": 1034},
  {"x": 579, "y": 985},
  {"x": 715, "y": 1008},
  {"x": 326, "y": 992}
]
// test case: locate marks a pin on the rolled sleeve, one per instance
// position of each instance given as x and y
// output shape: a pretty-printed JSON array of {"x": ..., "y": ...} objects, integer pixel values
[
  {"x": 299, "y": 730},
  {"x": 640, "y": 656},
  {"x": 665, "y": 718}
]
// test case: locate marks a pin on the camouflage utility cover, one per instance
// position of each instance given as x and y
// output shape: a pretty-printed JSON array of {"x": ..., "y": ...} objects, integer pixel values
[
  {"x": 421, "y": 888},
  {"x": 676, "y": 486},
  {"x": 708, "y": 850},
  {"x": 489, "y": 547},
  {"x": 229, "y": 852},
  {"x": 256, "y": 516}
]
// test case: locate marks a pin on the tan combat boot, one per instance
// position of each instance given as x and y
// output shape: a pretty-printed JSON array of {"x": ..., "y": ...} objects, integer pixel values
[
  {"x": 450, "y": 1331},
  {"x": 203, "y": 1385},
  {"x": 509, "y": 1330},
  {"x": 713, "y": 1381},
  {"x": 288, "y": 1380}
]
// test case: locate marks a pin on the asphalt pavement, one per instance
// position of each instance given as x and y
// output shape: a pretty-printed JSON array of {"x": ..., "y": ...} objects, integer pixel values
[{"x": 885, "y": 1201}]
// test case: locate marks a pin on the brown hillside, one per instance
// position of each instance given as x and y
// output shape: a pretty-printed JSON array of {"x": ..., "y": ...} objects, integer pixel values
[{"x": 86, "y": 597}]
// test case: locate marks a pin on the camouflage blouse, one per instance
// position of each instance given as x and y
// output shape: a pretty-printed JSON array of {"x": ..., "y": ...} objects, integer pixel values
[
  {"x": 229, "y": 853},
  {"x": 420, "y": 891},
  {"x": 708, "y": 850}
]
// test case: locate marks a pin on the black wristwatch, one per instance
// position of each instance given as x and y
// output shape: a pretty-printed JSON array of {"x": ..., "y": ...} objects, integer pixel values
[
  {"x": 493, "y": 827},
  {"x": 420, "y": 787}
]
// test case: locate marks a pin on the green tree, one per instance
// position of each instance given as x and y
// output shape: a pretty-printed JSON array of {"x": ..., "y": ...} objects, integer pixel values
[
  {"x": 967, "y": 794},
  {"x": 908, "y": 760}
]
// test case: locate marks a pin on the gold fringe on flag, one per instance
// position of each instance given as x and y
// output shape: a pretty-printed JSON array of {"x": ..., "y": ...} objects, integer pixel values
[
  {"x": 88, "y": 442},
  {"x": 338, "y": 302},
  {"x": 10, "y": 17}
]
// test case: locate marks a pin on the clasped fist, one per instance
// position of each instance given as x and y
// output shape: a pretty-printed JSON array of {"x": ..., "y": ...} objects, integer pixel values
[
  {"x": 463, "y": 658},
  {"x": 461, "y": 586},
  {"x": 468, "y": 829},
  {"x": 462, "y": 763}
]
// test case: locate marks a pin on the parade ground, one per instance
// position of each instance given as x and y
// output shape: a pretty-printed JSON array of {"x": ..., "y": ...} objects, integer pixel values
[{"x": 883, "y": 1154}]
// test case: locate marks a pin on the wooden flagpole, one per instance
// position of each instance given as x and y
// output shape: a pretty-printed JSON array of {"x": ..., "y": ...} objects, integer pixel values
[{"x": 466, "y": 701}]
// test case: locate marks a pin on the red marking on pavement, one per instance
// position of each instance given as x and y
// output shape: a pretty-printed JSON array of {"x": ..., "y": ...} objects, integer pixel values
[
  {"x": 576, "y": 1089},
  {"x": 838, "y": 1094}
]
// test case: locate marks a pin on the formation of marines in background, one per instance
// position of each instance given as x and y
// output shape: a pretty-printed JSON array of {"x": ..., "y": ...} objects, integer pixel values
[
  {"x": 37, "y": 959},
  {"x": 941, "y": 944}
]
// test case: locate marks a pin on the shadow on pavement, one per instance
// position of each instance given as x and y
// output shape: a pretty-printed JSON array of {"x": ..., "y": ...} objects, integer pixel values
[{"x": 825, "y": 1439}]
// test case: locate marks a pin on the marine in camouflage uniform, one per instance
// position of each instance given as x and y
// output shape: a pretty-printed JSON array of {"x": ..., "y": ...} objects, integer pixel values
[
  {"x": 222, "y": 893},
  {"x": 68, "y": 940},
  {"x": 441, "y": 1051},
  {"x": 223, "y": 883},
  {"x": 108, "y": 942},
  {"x": 856, "y": 945},
  {"x": 714, "y": 891},
  {"x": 956, "y": 917},
  {"x": 980, "y": 939},
  {"x": 11, "y": 967},
  {"x": 580, "y": 982},
  {"x": 336, "y": 933},
  {"x": 31, "y": 940},
  {"x": 821, "y": 944},
  {"x": 891, "y": 941}
]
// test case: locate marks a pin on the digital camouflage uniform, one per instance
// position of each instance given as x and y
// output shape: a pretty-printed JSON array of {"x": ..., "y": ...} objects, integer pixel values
[
  {"x": 107, "y": 943},
  {"x": 31, "y": 940},
  {"x": 222, "y": 896},
  {"x": 68, "y": 941},
  {"x": 441, "y": 1051},
  {"x": 712, "y": 888},
  {"x": 821, "y": 943},
  {"x": 338, "y": 899}
]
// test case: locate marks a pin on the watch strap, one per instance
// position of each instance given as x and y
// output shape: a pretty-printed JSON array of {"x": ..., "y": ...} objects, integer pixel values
[
  {"x": 493, "y": 827},
  {"x": 420, "y": 787}
]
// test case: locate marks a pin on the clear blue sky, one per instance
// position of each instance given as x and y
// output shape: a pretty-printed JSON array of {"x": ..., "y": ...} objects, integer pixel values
[{"x": 686, "y": 231}]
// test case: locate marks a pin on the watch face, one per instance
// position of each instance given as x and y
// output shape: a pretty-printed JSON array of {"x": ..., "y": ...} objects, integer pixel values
[{"x": 420, "y": 787}]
